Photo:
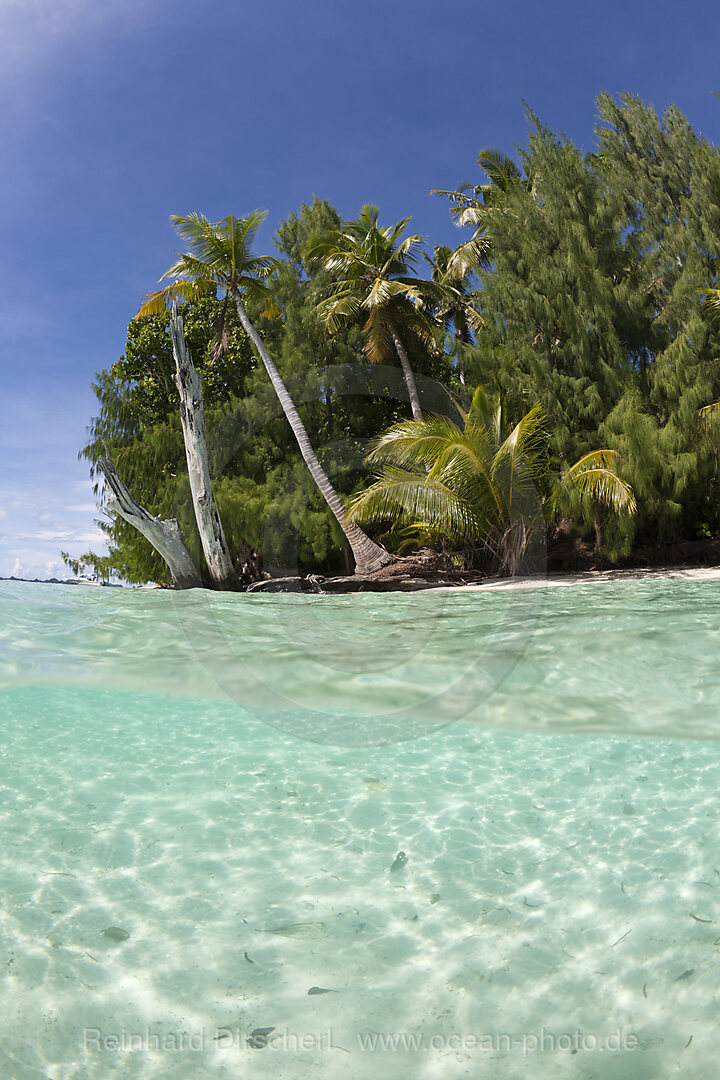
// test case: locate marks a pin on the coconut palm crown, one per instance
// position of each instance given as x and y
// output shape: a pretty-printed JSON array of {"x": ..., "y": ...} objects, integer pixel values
[
  {"x": 470, "y": 205},
  {"x": 219, "y": 254},
  {"x": 375, "y": 282},
  {"x": 458, "y": 319},
  {"x": 479, "y": 483}
]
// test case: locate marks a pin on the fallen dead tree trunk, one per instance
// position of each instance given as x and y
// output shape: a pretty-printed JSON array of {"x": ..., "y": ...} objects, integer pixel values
[
  {"x": 356, "y": 583},
  {"x": 164, "y": 535},
  {"x": 424, "y": 570}
]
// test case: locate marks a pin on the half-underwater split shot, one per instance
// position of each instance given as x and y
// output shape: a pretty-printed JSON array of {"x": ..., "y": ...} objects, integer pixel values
[{"x": 359, "y": 541}]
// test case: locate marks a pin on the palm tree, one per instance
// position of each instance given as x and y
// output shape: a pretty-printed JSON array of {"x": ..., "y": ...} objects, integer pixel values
[
  {"x": 478, "y": 482},
  {"x": 710, "y": 304},
  {"x": 470, "y": 204},
  {"x": 375, "y": 280},
  {"x": 220, "y": 255},
  {"x": 458, "y": 317}
]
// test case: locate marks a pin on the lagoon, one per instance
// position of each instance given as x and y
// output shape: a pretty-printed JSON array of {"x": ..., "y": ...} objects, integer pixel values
[{"x": 230, "y": 780}]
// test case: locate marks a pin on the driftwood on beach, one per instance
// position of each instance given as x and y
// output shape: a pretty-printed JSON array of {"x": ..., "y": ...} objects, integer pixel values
[
  {"x": 356, "y": 583},
  {"x": 425, "y": 570}
]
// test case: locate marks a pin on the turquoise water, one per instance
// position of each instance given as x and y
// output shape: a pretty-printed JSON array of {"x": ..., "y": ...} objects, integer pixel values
[{"x": 229, "y": 781}]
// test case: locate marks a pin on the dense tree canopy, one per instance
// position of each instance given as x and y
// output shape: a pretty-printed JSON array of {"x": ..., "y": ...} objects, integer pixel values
[
  {"x": 577, "y": 284},
  {"x": 267, "y": 499},
  {"x": 592, "y": 302}
]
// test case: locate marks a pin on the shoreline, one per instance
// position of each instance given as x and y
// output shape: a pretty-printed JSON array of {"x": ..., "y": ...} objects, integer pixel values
[
  {"x": 587, "y": 577},
  {"x": 556, "y": 579}
]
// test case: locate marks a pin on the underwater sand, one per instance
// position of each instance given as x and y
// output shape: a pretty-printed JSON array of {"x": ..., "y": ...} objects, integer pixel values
[{"x": 549, "y": 766}]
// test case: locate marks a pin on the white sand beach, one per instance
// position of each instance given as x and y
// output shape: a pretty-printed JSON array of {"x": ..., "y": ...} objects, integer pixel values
[{"x": 595, "y": 577}]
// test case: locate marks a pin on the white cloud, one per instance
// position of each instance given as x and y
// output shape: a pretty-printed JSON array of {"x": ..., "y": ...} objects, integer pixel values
[
  {"x": 39, "y": 560},
  {"x": 61, "y": 536},
  {"x": 47, "y": 509}
]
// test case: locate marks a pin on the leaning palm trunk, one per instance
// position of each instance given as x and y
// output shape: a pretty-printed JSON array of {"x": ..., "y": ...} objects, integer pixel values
[
  {"x": 163, "y": 535},
  {"x": 368, "y": 555},
  {"x": 192, "y": 417},
  {"x": 409, "y": 376}
]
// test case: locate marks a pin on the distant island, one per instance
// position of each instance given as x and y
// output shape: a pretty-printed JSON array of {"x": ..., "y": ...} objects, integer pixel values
[{"x": 66, "y": 581}]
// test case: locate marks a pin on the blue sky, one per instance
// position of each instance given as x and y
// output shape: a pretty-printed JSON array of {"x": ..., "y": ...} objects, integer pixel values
[{"x": 113, "y": 115}]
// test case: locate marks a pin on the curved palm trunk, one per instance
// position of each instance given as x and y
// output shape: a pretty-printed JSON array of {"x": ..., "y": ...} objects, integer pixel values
[
  {"x": 409, "y": 377},
  {"x": 163, "y": 535},
  {"x": 368, "y": 555},
  {"x": 192, "y": 417}
]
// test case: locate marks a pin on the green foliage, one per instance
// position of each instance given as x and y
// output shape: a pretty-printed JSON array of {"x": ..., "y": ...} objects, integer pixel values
[
  {"x": 97, "y": 567},
  {"x": 556, "y": 285},
  {"x": 585, "y": 282},
  {"x": 218, "y": 346},
  {"x": 591, "y": 303},
  {"x": 371, "y": 281},
  {"x": 266, "y": 497},
  {"x": 481, "y": 481},
  {"x": 220, "y": 255}
]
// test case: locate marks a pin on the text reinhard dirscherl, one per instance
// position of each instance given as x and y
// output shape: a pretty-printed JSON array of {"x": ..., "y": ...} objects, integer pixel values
[{"x": 530, "y": 1042}]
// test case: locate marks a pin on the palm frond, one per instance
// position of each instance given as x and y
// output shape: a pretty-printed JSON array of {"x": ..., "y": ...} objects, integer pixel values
[
  {"x": 479, "y": 410},
  {"x": 468, "y": 257},
  {"x": 710, "y": 303},
  {"x": 414, "y": 443},
  {"x": 471, "y": 214},
  {"x": 222, "y": 250},
  {"x": 466, "y": 465},
  {"x": 595, "y": 475},
  {"x": 418, "y": 501},
  {"x": 191, "y": 267},
  {"x": 708, "y": 414},
  {"x": 526, "y": 441},
  {"x": 336, "y": 310},
  {"x": 379, "y": 344},
  {"x": 384, "y": 290},
  {"x": 156, "y": 302},
  {"x": 371, "y": 266},
  {"x": 420, "y": 327},
  {"x": 501, "y": 169},
  {"x": 272, "y": 309}
]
